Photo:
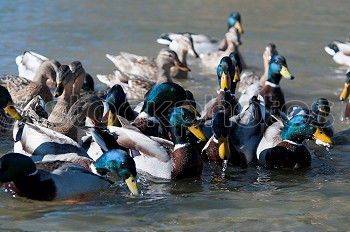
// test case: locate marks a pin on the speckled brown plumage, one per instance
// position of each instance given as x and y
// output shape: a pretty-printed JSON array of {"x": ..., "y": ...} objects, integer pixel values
[
  {"x": 186, "y": 162},
  {"x": 274, "y": 99},
  {"x": 147, "y": 127},
  {"x": 347, "y": 110}
]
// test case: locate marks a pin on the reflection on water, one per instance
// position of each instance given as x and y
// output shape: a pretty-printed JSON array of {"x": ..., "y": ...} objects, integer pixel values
[{"x": 245, "y": 199}]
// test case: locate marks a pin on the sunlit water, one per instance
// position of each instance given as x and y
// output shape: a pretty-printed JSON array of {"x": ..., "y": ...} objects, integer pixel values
[{"x": 245, "y": 199}]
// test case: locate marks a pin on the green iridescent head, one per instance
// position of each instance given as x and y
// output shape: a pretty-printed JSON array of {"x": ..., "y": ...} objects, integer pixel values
[
  {"x": 277, "y": 69},
  {"x": 121, "y": 163},
  {"x": 14, "y": 166},
  {"x": 228, "y": 74},
  {"x": 234, "y": 20}
]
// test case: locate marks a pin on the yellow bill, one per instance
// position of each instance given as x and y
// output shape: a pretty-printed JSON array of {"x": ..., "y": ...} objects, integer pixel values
[
  {"x": 182, "y": 67},
  {"x": 345, "y": 93},
  {"x": 285, "y": 73},
  {"x": 113, "y": 120},
  {"x": 236, "y": 77},
  {"x": 239, "y": 27},
  {"x": 11, "y": 110},
  {"x": 225, "y": 81},
  {"x": 224, "y": 148},
  {"x": 59, "y": 89},
  {"x": 194, "y": 129},
  {"x": 132, "y": 185},
  {"x": 321, "y": 135}
]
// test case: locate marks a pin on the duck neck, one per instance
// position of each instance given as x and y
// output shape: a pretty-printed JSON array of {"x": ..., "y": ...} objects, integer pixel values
[
  {"x": 178, "y": 135},
  {"x": 231, "y": 47},
  {"x": 46, "y": 71},
  {"x": 164, "y": 75},
  {"x": 78, "y": 84},
  {"x": 274, "y": 78}
]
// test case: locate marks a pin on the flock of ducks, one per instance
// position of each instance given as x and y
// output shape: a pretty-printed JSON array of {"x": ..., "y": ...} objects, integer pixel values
[{"x": 164, "y": 136}]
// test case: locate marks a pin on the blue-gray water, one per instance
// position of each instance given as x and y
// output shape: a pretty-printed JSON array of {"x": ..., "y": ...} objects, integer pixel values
[{"x": 252, "y": 199}]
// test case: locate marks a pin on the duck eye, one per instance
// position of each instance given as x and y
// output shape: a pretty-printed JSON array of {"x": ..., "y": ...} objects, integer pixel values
[{"x": 123, "y": 165}]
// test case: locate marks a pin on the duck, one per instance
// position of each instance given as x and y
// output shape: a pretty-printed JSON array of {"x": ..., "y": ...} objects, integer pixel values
[
  {"x": 210, "y": 60},
  {"x": 161, "y": 158},
  {"x": 152, "y": 119},
  {"x": 29, "y": 62},
  {"x": 251, "y": 82},
  {"x": 340, "y": 52},
  {"x": 287, "y": 149},
  {"x": 319, "y": 111},
  {"x": 202, "y": 43},
  {"x": 228, "y": 77},
  {"x": 88, "y": 84},
  {"x": 23, "y": 90},
  {"x": 145, "y": 66},
  {"x": 345, "y": 94},
  {"x": 137, "y": 86},
  {"x": 272, "y": 92},
  {"x": 235, "y": 139},
  {"x": 56, "y": 179}
]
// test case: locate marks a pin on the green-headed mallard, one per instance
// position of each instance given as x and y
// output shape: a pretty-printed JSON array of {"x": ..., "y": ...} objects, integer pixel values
[
  {"x": 136, "y": 86},
  {"x": 162, "y": 158},
  {"x": 228, "y": 77},
  {"x": 236, "y": 139},
  {"x": 202, "y": 43},
  {"x": 286, "y": 150},
  {"x": 340, "y": 52},
  {"x": 50, "y": 180},
  {"x": 272, "y": 93}
]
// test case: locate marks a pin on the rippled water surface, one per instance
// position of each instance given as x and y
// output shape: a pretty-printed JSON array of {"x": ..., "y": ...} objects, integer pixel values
[{"x": 249, "y": 199}]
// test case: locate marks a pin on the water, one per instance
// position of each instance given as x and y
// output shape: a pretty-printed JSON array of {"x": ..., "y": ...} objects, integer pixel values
[{"x": 245, "y": 199}]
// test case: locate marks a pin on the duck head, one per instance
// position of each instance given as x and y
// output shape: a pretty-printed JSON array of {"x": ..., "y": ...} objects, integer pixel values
[
  {"x": 321, "y": 110},
  {"x": 14, "y": 166},
  {"x": 160, "y": 98},
  {"x": 234, "y": 20},
  {"x": 89, "y": 84},
  {"x": 220, "y": 127},
  {"x": 300, "y": 128},
  {"x": 181, "y": 119},
  {"x": 346, "y": 91},
  {"x": 277, "y": 69},
  {"x": 64, "y": 79},
  {"x": 77, "y": 69},
  {"x": 114, "y": 101},
  {"x": 120, "y": 163},
  {"x": 228, "y": 74},
  {"x": 7, "y": 105},
  {"x": 168, "y": 58},
  {"x": 236, "y": 61}
]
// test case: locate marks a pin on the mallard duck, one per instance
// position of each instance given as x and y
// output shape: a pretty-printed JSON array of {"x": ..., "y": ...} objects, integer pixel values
[
  {"x": 23, "y": 90},
  {"x": 29, "y": 62},
  {"x": 272, "y": 93},
  {"x": 50, "y": 180},
  {"x": 79, "y": 78},
  {"x": 65, "y": 94},
  {"x": 211, "y": 60},
  {"x": 157, "y": 103},
  {"x": 145, "y": 66},
  {"x": 345, "y": 93},
  {"x": 340, "y": 52},
  {"x": 284, "y": 149},
  {"x": 251, "y": 82},
  {"x": 236, "y": 139},
  {"x": 228, "y": 77},
  {"x": 202, "y": 43},
  {"x": 137, "y": 86},
  {"x": 162, "y": 158},
  {"x": 319, "y": 111}
]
